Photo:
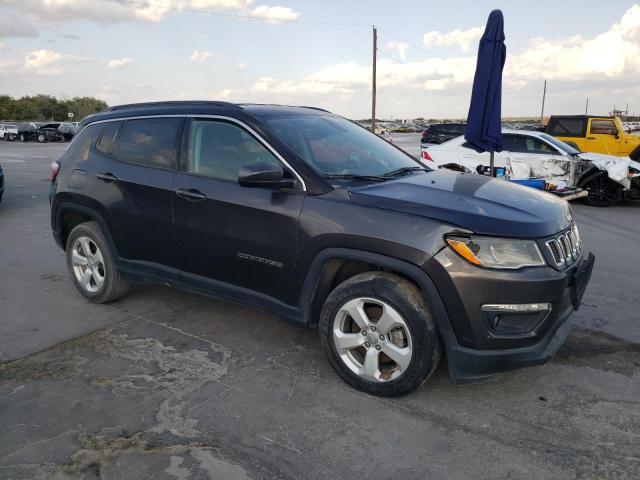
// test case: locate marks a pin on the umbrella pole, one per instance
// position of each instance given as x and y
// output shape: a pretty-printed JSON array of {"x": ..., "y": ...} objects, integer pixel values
[{"x": 492, "y": 171}]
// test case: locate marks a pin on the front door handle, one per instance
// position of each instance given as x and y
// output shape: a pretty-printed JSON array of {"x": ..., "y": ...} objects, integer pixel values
[
  {"x": 107, "y": 177},
  {"x": 591, "y": 138},
  {"x": 191, "y": 194}
]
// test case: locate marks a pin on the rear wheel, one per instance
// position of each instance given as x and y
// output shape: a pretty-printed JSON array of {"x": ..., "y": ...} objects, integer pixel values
[
  {"x": 41, "y": 138},
  {"x": 602, "y": 191},
  {"x": 23, "y": 138},
  {"x": 379, "y": 335},
  {"x": 92, "y": 265}
]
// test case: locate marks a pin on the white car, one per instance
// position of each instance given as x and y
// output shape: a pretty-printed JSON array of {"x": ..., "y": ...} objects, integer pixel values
[
  {"x": 530, "y": 154},
  {"x": 8, "y": 131}
]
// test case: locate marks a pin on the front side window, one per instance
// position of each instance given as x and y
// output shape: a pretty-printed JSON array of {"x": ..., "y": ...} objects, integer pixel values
[
  {"x": 603, "y": 127},
  {"x": 150, "y": 142},
  {"x": 335, "y": 146},
  {"x": 524, "y": 144},
  {"x": 219, "y": 150}
]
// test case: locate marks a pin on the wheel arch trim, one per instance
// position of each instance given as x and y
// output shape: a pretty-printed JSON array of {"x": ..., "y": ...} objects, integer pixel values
[
  {"x": 64, "y": 206},
  {"x": 410, "y": 271}
]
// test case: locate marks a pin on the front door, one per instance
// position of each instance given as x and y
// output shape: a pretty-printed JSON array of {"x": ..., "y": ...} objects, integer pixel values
[
  {"x": 541, "y": 159},
  {"x": 602, "y": 136},
  {"x": 244, "y": 237}
]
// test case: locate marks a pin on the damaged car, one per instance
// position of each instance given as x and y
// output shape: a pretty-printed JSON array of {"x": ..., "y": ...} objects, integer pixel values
[
  {"x": 528, "y": 154},
  {"x": 40, "y": 132}
]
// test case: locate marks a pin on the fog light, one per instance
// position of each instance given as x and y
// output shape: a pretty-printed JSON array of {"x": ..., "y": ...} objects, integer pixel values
[{"x": 515, "y": 319}]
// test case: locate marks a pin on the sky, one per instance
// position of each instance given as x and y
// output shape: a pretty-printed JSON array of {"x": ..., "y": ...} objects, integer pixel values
[{"x": 319, "y": 53}]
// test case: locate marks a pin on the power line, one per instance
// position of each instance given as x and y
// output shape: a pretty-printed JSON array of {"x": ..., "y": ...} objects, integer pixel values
[{"x": 145, "y": 4}]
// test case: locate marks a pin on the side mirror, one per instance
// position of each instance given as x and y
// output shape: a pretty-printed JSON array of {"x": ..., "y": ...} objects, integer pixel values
[{"x": 264, "y": 175}]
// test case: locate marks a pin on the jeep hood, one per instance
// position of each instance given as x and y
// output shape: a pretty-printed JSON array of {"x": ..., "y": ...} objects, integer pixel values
[{"x": 481, "y": 204}]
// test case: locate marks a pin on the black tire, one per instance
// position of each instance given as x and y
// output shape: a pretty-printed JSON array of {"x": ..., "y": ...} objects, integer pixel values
[
  {"x": 114, "y": 286},
  {"x": 23, "y": 138},
  {"x": 42, "y": 138},
  {"x": 409, "y": 302},
  {"x": 602, "y": 191}
]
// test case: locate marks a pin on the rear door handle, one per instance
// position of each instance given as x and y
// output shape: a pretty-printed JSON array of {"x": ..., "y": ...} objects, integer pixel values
[
  {"x": 591, "y": 138},
  {"x": 191, "y": 194},
  {"x": 107, "y": 177}
]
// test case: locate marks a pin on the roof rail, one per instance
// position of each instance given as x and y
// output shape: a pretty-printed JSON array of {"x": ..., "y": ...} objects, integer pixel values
[{"x": 172, "y": 103}]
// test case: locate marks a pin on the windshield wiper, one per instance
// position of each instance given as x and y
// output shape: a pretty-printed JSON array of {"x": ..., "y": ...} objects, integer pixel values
[
  {"x": 404, "y": 170},
  {"x": 350, "y": 176}
]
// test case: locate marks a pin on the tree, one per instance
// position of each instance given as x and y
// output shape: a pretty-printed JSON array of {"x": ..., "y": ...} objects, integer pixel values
[{"x": 48, "y": 108}]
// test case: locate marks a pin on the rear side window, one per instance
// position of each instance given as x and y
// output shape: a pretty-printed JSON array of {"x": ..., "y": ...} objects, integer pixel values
[
  {"x": 219, "y": 150},
  {"x": 567, "y": 127},
  {"x": 151, "y": 142},
  {"x": 106, "y": 141},
  {"x": 79, "y": 148}
]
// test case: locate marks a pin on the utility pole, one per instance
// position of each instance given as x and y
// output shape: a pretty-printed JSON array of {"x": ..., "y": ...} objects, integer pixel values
[
  {"x": 544, "y": 94},
  {"x": 586, "y": 109},
  {"x": 373, "y": 81}
]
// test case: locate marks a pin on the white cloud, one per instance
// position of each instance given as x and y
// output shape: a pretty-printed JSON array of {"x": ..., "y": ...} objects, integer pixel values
[
  {"x": 274, "y": 14},
  {"x": 612, "y": 53},
  {"x": 399, "y": 47},
  {"x": 44, "y": 62},
  {"x": 200, "y": 56},
  {"x": 242, "y": 66},
  {"x": 113, "y": 11},
  {"x": 463, "y": 39},
  {"x": 120, "y": 63}
]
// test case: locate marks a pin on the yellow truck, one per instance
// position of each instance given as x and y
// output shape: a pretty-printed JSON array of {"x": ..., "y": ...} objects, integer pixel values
[{"x": 595, "y": 134}]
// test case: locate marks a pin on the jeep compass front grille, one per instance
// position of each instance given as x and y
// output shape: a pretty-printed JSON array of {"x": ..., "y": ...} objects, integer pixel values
[{"x": 565, "y": 248}]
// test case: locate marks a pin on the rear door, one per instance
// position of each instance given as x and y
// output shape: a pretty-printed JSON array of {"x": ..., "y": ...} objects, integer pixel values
[
  {"x": 132, "y": 185},
  {"x": 602, "y": 136},
  {"x": 244, "y": 237}
]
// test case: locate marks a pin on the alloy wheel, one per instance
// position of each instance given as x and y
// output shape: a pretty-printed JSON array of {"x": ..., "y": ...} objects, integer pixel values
[
  {"x": 372, "y": 339},
  {"x": 88, "y": 264}
]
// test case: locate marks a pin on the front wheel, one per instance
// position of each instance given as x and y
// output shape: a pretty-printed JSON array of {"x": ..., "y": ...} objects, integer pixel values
[
  {"x": 41, "y": 138},
  {"x": 379, "y": 335},
  {"x": 92, "y": 265},
  {"x": 23, "y": 138},
  {"x": 602, "y": 191}
]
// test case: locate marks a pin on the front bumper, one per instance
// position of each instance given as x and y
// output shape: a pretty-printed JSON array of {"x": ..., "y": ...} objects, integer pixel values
[{"x": 474, "y": 351}]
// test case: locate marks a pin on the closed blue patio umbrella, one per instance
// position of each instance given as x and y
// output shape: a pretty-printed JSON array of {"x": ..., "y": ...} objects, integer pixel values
[{"x": 483, "y": 130}]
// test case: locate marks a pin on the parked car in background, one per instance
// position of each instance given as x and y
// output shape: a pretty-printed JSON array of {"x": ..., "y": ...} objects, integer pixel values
[
  {"x": 305, "y": 214},
  {"x": 8, "y": 131},
  {"x": 442, "y": 132},
  {"x": 1, "y": 183},
  {"x": 68, "y": 130},
  {"x": 530, "y": 154},
  {"x": 39, "y": 132},
  {"x": 595, "y": 134}
]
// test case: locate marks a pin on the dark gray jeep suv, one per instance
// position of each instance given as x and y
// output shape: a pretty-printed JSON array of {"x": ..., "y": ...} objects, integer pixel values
[{"x": 302, "y": 213}]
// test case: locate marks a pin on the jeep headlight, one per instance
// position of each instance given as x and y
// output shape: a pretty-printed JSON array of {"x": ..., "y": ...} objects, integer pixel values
[{"x": 491, "y": 252}]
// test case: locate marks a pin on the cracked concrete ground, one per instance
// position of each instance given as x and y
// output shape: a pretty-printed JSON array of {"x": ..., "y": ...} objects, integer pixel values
[{"x": 166, "y": 384}]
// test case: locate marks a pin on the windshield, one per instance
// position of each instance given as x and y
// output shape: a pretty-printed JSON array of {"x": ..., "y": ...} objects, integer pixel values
[
  {"x": 336, "y": 146},
  {"x": 561, "y": 145}
]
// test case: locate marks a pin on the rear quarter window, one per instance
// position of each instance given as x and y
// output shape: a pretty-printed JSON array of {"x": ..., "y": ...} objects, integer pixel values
[
  {"x": 567, "y": 127},
  {"x": 79, "y": 149},
  {"x": 150, "y": 142}
]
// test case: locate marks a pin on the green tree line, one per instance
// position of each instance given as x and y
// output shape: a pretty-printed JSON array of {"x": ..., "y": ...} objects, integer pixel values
[{"x": 46, "y": 107}]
